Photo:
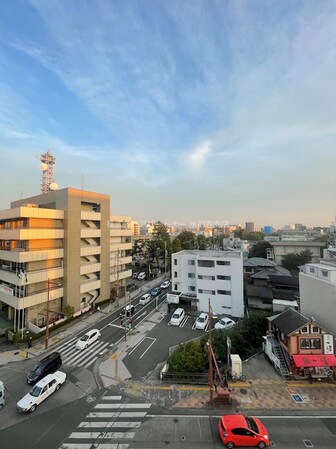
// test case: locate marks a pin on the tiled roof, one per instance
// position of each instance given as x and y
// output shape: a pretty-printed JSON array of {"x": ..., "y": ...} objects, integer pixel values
[
  {"x": 259, "y": 262},
  {"x": 290, "y": 321}
]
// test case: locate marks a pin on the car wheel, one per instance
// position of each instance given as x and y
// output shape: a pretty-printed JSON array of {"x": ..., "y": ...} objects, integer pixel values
[
  {"x": 230, "y": 445},
  {"x": 58, "y": 386},
  {"x": 261, "y": 445},
  {"x": 33, "y": 408},
  {"x": 1, "y": 405}
]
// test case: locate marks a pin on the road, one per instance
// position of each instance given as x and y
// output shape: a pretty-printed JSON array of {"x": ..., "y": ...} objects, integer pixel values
[{"x": 105, "y": 420}]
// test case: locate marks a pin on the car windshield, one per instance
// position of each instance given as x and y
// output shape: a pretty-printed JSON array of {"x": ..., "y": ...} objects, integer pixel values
[
  {"x": 176, "y": 315},
  {"x": 224, "y": 322},
  {"x": 36, "y": 391},
  {"x": 201, "y": 319},
  {"x": 252, "y": 424},
  {"x": 84, "y": 338},
  {"x": 37, "y": 369}
]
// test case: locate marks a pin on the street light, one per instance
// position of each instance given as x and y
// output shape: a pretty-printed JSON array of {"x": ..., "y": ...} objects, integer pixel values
[{"x": 47, "y": 324}]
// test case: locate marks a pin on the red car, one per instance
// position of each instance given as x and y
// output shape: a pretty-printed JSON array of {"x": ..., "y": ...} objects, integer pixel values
[{"x": 241, "y": 430}]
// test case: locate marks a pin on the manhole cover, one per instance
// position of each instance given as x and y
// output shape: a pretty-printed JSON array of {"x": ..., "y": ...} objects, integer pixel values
[
  {"x": 243, "y": 391},
  {"x": 183, "y": 437},
  {"x": 308, "y": 443},
  {"x": 175, "y": 419}
]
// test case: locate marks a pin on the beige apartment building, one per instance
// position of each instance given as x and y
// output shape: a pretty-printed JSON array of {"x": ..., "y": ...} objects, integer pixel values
[{"x": 60, "y": 249}]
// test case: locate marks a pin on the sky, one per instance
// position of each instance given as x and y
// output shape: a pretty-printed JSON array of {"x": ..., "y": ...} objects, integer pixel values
[{"x": 181, "y": 111}]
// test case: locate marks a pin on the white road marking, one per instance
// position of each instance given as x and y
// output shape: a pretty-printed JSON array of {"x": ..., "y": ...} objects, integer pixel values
[
  {"x": 116, "y": 415},
  {"x": 148, "y": 347},
  {"x": 123, "y": 406},
  {"x": 89, "y": 446},
  {"x": 96, "y": 435},
  {"x": 108, "y": 424},
  {"x": 111, "y": 398}
]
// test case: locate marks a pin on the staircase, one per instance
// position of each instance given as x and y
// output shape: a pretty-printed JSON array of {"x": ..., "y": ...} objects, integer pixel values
[{"x": 283, "y": 365}]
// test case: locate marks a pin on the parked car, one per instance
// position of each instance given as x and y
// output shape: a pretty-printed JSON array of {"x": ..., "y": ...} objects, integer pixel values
[
  {"x": 87, "y": 339},
  {"x": 225, "y": 323},
  {"x": 2, "y": 395},
  {"x": 127, "y": 311},
  {"x": 135, "y": 275},
  {"x": 141, "y": 276},
  {"x": 47, "y": 365},
  {"x": 202, "y": 321},
  {"x": 145, "y": 299},
  {"x": 165, "y": 284},
  {"x": 40, "y": 392},
  {"x": 177, "y": 317},
  {"x": 241, "y": 430},
  {"x": 156, "y": 291}
]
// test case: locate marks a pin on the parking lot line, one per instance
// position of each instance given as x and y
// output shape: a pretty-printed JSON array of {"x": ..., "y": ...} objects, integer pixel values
[{"x": 148, "y": 347}]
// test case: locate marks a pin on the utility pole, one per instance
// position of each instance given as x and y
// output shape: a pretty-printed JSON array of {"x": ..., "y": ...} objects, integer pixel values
[
  {"x": 210, "y": 359},
  {"x": 165, "y": 257}
]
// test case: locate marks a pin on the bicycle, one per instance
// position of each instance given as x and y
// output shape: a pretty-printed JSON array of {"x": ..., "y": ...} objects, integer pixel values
[{"x": 238, "y": 377}]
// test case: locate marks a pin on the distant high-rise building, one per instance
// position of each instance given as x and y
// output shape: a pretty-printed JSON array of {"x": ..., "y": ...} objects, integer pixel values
[
  {"x": 268, "y": 229},
  {"x": 249, "y": 226},
  {"x": 135, "y": 228}
]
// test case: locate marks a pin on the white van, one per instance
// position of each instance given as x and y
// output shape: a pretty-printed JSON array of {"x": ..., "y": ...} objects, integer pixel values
[
  {"x": 145, "y": 299},
  {"x": 141, "y": 276}
]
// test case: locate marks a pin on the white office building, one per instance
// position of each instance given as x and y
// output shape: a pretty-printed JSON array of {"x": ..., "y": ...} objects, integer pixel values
[
  {"x": 200, "y": 275},
  {"x": 318, "y": 290}
]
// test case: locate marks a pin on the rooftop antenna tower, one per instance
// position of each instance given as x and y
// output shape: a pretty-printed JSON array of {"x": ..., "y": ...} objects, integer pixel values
[{"x": 48, "y": 183}]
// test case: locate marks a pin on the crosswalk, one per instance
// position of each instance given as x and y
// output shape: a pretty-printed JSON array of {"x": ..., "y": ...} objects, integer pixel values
[
  {"x": 111, "y": 425},
  {"x": 85, "y": 357}
]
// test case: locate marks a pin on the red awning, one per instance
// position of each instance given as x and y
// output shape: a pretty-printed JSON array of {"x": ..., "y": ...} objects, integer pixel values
[{"x": 318, "y": 360}]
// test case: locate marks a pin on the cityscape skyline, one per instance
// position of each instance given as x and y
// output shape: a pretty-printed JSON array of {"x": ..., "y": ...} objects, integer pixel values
[{"x": 203, "y": 110}]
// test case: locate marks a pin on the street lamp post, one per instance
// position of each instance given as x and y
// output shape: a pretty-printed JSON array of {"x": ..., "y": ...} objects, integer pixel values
[
  {"x": 210, "y": 359},
  {"x": 47, "y": 324}
]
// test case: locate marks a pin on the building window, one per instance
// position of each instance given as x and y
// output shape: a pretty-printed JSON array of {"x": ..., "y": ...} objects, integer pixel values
[
  {"x": 223, "y": 278},
  {"x": 312, "y": 270},
  {"x": 315, "y": 330},
  {"x": 191, "y": 262},
  {"x": 310, "y": 343},
  {"x": 191, "y": 288},
  {"x": 206, "y": 278},
  {"x": 206, "y": 292},
  {"x": 175, "y": 287},
  {"x": 206, "y": 263},
  {"x": 304, "y": 330},
  {"x": 175, "y": 261},
  {"x": 325, "y": 273},
  {"x": 224, "y": 292},
  {"x": 191, "y": 275},
  {"x": 223, "y": 262},
  {"x": 175, "y": 274}
]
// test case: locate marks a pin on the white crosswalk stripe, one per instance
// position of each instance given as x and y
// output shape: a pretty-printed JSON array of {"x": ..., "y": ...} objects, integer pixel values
[
  {"x": 112, "y": 428},
  {"x": 82, "y": 358}
]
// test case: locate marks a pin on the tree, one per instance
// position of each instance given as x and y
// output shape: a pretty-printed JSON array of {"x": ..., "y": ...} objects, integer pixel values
[
  {"x": 160, "y": 242},
  {"x": 188, "y": 358},
  {"x": 292, "y": 261},
  {"x": 202, "y": 242},
  {"x": 259, "y": 249},
  {"x": 188, "y": 240},
  {"x": 257, "y": 236},
  {"x": 176, "y": 245}
]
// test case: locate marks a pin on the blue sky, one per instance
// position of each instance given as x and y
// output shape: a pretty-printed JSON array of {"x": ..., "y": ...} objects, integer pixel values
[{"x": 180, "y": 110}]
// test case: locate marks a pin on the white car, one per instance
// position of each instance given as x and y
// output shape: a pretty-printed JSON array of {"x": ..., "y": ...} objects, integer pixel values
[
  {"x": 177, "y": 317},
  {"x": 87, "y": 339},
  {"x": 225, "y": 323},
  {"x": 165, "y": 284},
  {"x": 145, "y": 299},
  {"x": 202, "y": 321},
  {"x": 44, "y": 388},
  {"x": 141, "y": 276}
]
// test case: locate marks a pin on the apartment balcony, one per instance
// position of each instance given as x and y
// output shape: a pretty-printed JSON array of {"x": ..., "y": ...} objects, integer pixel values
[
  {"x": 90, "y": 268},
  {"x": 124, "y": 274},
  {"x": 90, "y": 233},
  {"x": 90, "y": 250},
  {"x": 33, "y": 277},
  {"x": 114, "y": 247},
  {"x": 31, "y": 300},
  {"x": 118, "y": 232},
  {"x": 90, "y": 284},
  {"x": 90, "y": 215},
  {"x": 31, "y": 234}
]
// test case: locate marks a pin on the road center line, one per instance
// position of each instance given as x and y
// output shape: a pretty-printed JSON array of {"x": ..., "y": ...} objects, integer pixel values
[{"x": 148, "y": 347}]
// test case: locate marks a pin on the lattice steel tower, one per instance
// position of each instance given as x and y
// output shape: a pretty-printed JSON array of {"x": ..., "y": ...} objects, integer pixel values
[{"x": 47, "y": 167}]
